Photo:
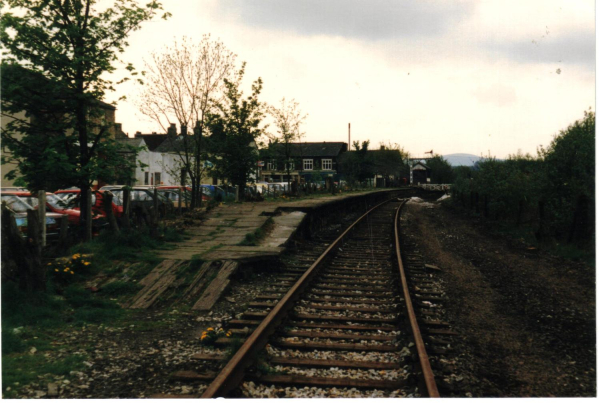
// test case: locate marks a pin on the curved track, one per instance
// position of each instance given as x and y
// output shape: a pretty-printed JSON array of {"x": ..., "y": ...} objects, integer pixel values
[{"x": 347, "y": 323}]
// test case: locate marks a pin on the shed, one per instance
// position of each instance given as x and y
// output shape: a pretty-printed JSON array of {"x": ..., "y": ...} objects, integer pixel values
[{"x": 419, "y": 173}]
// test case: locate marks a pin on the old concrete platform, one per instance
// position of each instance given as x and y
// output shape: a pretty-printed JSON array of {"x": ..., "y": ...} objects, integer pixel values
[{"x": 219, "y": 234}]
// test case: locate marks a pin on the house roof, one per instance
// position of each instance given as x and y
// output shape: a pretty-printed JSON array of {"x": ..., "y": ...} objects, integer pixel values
[
  {"x": 323, "y": 149},
  {"x": 135, "y": 142},
  {"x": 153, "y": 141}
]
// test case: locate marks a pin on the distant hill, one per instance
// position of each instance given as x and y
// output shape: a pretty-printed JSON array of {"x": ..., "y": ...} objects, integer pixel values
[{"x": 461, "y": 159}]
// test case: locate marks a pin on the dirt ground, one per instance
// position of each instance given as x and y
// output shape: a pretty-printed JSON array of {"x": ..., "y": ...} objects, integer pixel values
[{"x": 526, "y": 319}]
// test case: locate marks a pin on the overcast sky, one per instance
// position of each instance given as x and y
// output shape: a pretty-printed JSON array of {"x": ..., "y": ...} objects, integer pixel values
[{"x": 452, "y": 76}]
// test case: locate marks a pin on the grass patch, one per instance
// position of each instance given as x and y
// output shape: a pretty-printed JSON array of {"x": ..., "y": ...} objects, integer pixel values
[
  {"x": 19, "y": 370},
  {"x": 254, "y": 238}
]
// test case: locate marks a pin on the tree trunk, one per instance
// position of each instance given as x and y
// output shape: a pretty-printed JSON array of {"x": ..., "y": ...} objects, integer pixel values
[{"x": 542, "y": 232}]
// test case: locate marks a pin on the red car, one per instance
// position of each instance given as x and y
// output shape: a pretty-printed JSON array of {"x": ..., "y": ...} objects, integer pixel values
[
  {"x": 56, "y": 205},
  {"x": 71, "y": 198}
]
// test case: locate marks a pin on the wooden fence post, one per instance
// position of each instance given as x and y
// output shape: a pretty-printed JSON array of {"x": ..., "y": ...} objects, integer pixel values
[
  {"x": 64, "y": 232},
  {"x": 179, "y": 198},
  {"x": 42, "y": 214},
  {"x": 126, "y": 208},
  {"x": 35, "y": 271},
  {"x": 88, "y": 218},
  {"x": 154, "y": 215},
  {"x": 107, "y": 198}
]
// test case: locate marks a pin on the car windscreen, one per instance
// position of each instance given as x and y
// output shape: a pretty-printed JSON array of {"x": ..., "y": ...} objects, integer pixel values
[
  {"x": 16, "y": 204},
  {"x": 56, "y": 202},
  {"x": 117, "y": 197}
]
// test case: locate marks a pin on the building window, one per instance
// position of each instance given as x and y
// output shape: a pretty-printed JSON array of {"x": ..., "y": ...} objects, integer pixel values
[
  {"x": 327, "y": 164},
  {"x": 157, "y": 178},
  {"x": 146, "y": 178},
  {"x": 272, "y": 165},
  {"x": 290, "y": 165},
  {"x": 307, "y": 164}
]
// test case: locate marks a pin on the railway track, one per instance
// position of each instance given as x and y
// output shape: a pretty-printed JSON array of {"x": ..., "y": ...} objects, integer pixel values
[{"x": 345, "y": 325}]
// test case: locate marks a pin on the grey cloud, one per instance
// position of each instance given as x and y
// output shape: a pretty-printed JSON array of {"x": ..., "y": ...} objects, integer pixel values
[
  {"x": 576, "y": 48},
  {"x": 361, "y": 19}
]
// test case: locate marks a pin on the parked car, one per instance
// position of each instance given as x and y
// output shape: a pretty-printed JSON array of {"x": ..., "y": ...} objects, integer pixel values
[
  {"x": 217, "y": 192},
  {"x": 71, "y": 199},
  {"x": 55, "y": 204},
  {"x": 141, "y": 196},
  {"x": 18, "y": 207},
  {"x": 172, "y": 193}
]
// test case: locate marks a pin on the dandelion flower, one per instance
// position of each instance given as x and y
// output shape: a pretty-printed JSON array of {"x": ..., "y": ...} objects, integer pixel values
[
  {"x": 210, "y": 329},
  {"x": 72, "y": 272}
]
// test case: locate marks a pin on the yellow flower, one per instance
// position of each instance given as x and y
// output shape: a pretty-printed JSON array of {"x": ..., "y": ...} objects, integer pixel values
[
  {"x": 86, "y": 263},
  {"x": 203, "y": 337},
  {"x": 66, "y": 269},
  {"x": 228, "y": 334},
  {"x": 56, "y": 270},
  {"x": 49, "y": 264},
  {"x": 72, "y": 273},
  {"x": 76, "y": 256},
  {"x": 210, "y": 329}
]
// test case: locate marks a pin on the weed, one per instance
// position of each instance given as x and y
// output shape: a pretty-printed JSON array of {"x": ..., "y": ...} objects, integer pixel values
[
  {"x": 120, "y": 288},
  {"x": 170, "y": 234},
  {"x": 254, "y": 238}
]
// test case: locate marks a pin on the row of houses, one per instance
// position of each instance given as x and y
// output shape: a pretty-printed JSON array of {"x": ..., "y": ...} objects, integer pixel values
[{"x": 160, "y": 162}]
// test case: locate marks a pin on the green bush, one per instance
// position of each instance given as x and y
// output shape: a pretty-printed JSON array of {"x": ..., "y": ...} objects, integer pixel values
[{"x": 552, "y": 194}]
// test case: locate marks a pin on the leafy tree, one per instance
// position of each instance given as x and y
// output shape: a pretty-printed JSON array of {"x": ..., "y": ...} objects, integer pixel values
[
  {"x": 235, "y": 128},
  {"x": 180, "y": 83},
  {"x": 441, "y": 170},
  {"x": 356, "y": 165},
  {"x": 569, "y": 163},
  {"x": 288, "y": 119},
  {"x": 66, "y": 47}
]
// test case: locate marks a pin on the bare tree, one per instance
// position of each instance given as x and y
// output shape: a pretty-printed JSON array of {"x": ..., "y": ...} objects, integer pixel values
[
  {"x": 181, "y": 81},
  {"x": 288, "y": 119}
]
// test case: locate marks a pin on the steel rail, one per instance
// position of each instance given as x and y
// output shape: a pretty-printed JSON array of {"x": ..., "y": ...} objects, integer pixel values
[
  {"x": 428, "y": 376},
  {"x": 233, "y": 372}
]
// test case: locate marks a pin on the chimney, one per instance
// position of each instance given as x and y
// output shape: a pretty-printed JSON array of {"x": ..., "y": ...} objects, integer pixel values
[
  {"x": 138, "y": 134},
  {"x": 382, "y": 148},
  {"x": 183, "y": 130},
  {"x": 172, "y": 130}
]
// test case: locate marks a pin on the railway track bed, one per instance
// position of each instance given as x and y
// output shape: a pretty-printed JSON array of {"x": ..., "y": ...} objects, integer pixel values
[{"x": 341, "y": 330}]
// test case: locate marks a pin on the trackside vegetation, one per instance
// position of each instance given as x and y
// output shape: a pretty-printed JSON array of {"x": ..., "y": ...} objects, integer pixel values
[{"x": 548, "y": 198}]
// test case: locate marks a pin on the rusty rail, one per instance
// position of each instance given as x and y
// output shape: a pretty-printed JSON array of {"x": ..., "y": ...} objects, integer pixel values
[
  {"x": 428, "y": 376},
  {"x": 233, "y": 372}
]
